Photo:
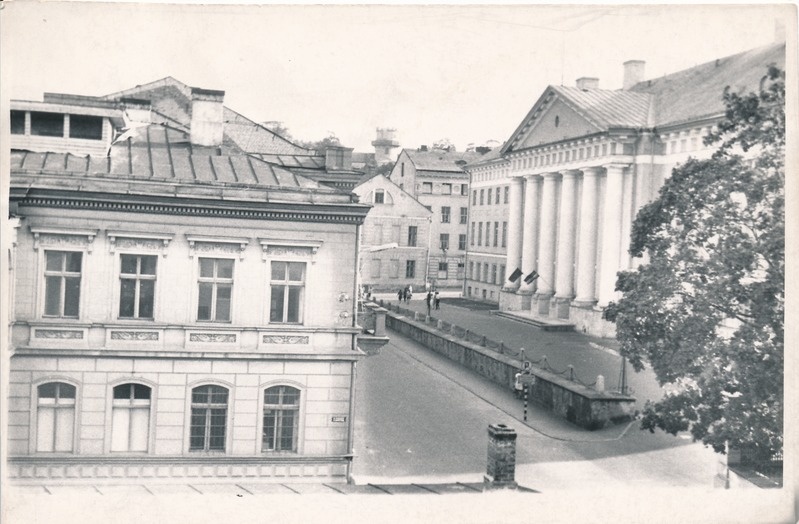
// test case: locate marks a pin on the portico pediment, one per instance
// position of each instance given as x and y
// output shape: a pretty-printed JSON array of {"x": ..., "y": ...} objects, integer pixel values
[{"x": 552, "y": 119}]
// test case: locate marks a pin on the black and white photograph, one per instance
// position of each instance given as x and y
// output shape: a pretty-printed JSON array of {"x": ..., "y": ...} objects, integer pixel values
[{"x": 399, "y": 263}]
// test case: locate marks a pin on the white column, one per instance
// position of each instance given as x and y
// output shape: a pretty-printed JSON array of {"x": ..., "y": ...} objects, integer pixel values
[
  {"x": 564, "y": 281},
  {"x": 530, "y": 234},
  {"x": 586, "y": 266},
  {"x": 611, "y": 232},
  {"x": 546, "y": 249},
  {"x": 627, "y": 214},
  {"x": 514, "y": 258}
]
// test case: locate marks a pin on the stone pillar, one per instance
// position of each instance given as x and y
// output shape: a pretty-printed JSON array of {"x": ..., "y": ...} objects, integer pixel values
[
  {"x": 611, "y": 232},
  {"x": 564, "y": 280},
  {"x": 546, "y": 246},
  {"x": 530, "y": 234},
  {"x": 586, "y": 263},
  {"x": 501, "y": 467},
  {"x": 626, "y": 220},
  {"x": 514, "y": 258}
]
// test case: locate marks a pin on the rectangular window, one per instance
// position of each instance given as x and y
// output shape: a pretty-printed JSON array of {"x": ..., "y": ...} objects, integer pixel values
[
  {"x": 504, "y": 234},
  {"x": 485, "y": 271},
  {"x": 474, "y": 197},
  {"x": 137, "y": 286},
  {"x": 444, "y": 240},
  {"x": 130, "y": 418},
  {"x": 446, "y": 189},
  {"x": 471, "y": 270},
  {"x": 496, "y": 233},
  {"x": 55, "y": 417},
  {"x": 507, "y": 194},
  {"x": 445, "y": 212},
  {"x": 379, "y": 196},
  {"x": 402, "y": 169},
  {"x": 493, "y": 273},
  {"x": 287, "y": 290},
  {"x": 464, "y": 215},
  {"x": 281, "y": 419},
  {"x": 465, "y": 190},
  {"x": 412, "y": 236},
  {"x": 17, "y": 122},
  {"x": 62, "y": 276},
  {"x": 482, "y": 196},
  {"x": 85, "y": 126},
  {"x": 477, "y": 267},
  {"x": 410, "y": 269},
  {"x": 47, "y": 124},
  {"x": 427, "y": 187},
  {"x": 216, "y": 289},
  {"x": 461, "y": 242},
  {"x": 496, "y": 195},
  {"x": 208, "y": 418},
  {"x": 501, "y": 273},
  {"x": 472, "y": 242},
  {"x": 488, "y": 200}
]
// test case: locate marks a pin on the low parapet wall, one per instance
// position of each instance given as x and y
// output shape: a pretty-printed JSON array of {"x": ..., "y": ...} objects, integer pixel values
[{"x": 578, "y": 404}]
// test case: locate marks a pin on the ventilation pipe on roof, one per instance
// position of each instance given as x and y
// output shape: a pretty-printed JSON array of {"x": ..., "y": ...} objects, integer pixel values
[
  {"x": 585, "y": 82},
  {"x": 633, "y": 73},
  {"x": 206, "y": 117}
]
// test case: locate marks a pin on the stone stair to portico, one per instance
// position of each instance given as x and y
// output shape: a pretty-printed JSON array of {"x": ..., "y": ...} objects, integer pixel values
[{"x": 545, "y": 324}]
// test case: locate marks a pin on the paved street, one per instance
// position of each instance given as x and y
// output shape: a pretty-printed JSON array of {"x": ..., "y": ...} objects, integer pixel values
[
  {"x": 590, "y": 356},
  {"x": 420, "y": 417}
]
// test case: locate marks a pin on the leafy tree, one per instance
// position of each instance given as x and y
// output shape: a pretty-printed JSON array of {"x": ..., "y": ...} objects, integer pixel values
[
  {"x": 321, "y": 145},
  {"x": 707, "y": 309}
]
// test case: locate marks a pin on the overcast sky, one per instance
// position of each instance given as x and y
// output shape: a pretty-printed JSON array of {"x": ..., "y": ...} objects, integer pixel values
[{"x": 468, "y": 73}]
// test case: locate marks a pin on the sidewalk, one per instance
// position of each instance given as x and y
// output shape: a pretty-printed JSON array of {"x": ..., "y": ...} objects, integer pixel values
[{"x": 590, "y": 356}]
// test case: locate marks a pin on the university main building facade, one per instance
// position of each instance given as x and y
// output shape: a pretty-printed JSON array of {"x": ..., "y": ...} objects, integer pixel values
[
  {"x": 561, "y": 195},
  {"x": 182, "y": 308}
]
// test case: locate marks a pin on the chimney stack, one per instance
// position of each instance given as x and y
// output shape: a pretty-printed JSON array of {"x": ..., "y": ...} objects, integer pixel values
[
  {"x": 586, "y": 82},
  {"x": 206, "y": 117},
  {"x": 633, "y": 73}
]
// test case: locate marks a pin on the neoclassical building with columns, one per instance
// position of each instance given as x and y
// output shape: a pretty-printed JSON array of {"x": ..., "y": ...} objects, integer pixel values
[{"x": 578, "y": 168}]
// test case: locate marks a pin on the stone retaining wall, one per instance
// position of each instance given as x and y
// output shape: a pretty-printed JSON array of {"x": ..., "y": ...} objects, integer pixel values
[{"x": 580, "y": 405}]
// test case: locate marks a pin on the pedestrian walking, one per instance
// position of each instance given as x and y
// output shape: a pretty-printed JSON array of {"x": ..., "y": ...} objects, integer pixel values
[
  {"x": 437, "y": 300},
  {"x": 428, "y": 299},
  {"x": 400, "y": 295}
]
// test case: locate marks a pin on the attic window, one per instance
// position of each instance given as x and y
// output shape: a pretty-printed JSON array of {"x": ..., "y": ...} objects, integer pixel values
[
  {"x": 84, "y": 126},
  {"x": 557, "y": 121},
  {"x": 380, "y": 196},
  {"x": 47, "y": 124}
]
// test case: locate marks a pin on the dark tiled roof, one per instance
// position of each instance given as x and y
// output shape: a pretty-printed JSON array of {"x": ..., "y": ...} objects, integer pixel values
[
  {"x": 607, "y": 109},
  {"x": 156, "y": 152},
  {"x": 437, "y": 160},
  {"x": 695, "y": 93},
  {"x": 294, "y": 161},
  {"x": 492, "y": 156}
]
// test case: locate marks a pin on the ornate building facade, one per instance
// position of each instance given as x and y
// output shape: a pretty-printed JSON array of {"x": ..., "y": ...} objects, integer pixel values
[
  {"x": 181, "y": 310},
  {"x": 582, "y": 163}
]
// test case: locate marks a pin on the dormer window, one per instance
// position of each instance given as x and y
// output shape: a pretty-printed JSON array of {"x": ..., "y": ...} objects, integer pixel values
[
  {"x": 47, "y": 124},
  {"x": 380, "y": 196}
]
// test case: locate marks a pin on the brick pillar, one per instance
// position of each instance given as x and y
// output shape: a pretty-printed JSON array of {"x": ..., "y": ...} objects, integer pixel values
[{"x": 501, "y": 467}]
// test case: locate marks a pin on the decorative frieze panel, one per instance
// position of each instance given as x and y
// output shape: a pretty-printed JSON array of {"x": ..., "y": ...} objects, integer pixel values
[
  {"x": 216, "y": 246},
  {"x": 213, "y": 338},
  {"x": 288, "y": 248},
  {"x": 58, "y": 334},
  {"x": 138, "y": 241},
  {"x": 61, "y": 238},
  {"x": 285, "y": 339},
  {"x": 135, "y": 336}
]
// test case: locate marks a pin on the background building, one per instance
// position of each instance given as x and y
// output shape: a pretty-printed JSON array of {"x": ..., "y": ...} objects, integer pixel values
[
  {"x": 181, "y": 310},
  {"x": 395, "y": 236},
  {"x": 437, "y": 180},
  {"x": 582, "y": 163}
]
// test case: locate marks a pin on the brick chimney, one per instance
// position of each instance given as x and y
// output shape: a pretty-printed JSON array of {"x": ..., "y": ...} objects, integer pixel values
[
  {"x": 586, "y": 82},
  {"x": 633, "y": 73},
  {"x": 206, "y": 117}
]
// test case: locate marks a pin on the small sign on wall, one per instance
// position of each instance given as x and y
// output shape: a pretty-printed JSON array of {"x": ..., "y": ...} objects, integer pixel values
[{"x": 338, "y": 418}]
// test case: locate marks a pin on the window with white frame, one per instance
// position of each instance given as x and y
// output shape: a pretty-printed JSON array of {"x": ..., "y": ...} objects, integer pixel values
[
  {"x": 461, "y": 242},
  {"x": 464, "y": 215},
  {"x": 208, "y": 426},
  {"x": 137, "y": 286},
  {"x": 215, "y": 289},
  {"x": 281, "y": 418},
  {"x": 445, "y": 214},
  {"x": 130, "y": 417},
  {"x": 62, "y": 275},
  {"x": 286, "y": 292},
  {"x": 444, "y": 241},
  {"x": 55, "y": 417},
  {"x": 410, "y": 269}
]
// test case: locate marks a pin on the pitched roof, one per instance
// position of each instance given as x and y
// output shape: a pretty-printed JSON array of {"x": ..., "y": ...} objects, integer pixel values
[
  {"x": 158, "y": 152},
  {"x": 607, "y": 109},
  {"x": 437, "y": 160},
  {"x": 492, "y": 156},
  {"x": 696, "y": 92}
]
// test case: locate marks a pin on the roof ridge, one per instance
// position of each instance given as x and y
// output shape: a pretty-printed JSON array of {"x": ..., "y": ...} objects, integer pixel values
[{"x": 165, "y": 81}]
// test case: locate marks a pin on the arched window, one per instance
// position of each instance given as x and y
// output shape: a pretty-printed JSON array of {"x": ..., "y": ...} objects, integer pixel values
[
  {"x": 208, "y": 418},
  {"x": 130, "y": 418},
  {"x": 55, "y": 417},
  {"x": 281, "y": 418}
]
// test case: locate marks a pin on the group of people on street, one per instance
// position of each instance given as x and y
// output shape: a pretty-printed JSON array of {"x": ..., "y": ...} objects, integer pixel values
[
  {"x": 432, "y": 300},
  {"x": 404, "y": 295}
]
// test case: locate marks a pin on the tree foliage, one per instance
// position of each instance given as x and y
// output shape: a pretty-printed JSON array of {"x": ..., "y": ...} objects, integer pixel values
[{"x": 706, "y": 310}]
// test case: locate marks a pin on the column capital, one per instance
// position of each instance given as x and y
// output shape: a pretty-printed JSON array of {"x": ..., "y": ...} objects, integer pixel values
[
  {"x": 532, "y": 176},
  {"x": 615, "y": 166},
  {"x": 591, "y": 171},
  {"x": 551, "y": 175},
  {"x": 570, "y": 173}
]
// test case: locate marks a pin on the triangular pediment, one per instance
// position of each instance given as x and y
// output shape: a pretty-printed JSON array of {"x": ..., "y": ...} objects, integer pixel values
[{"x": 552, "y": 119}]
